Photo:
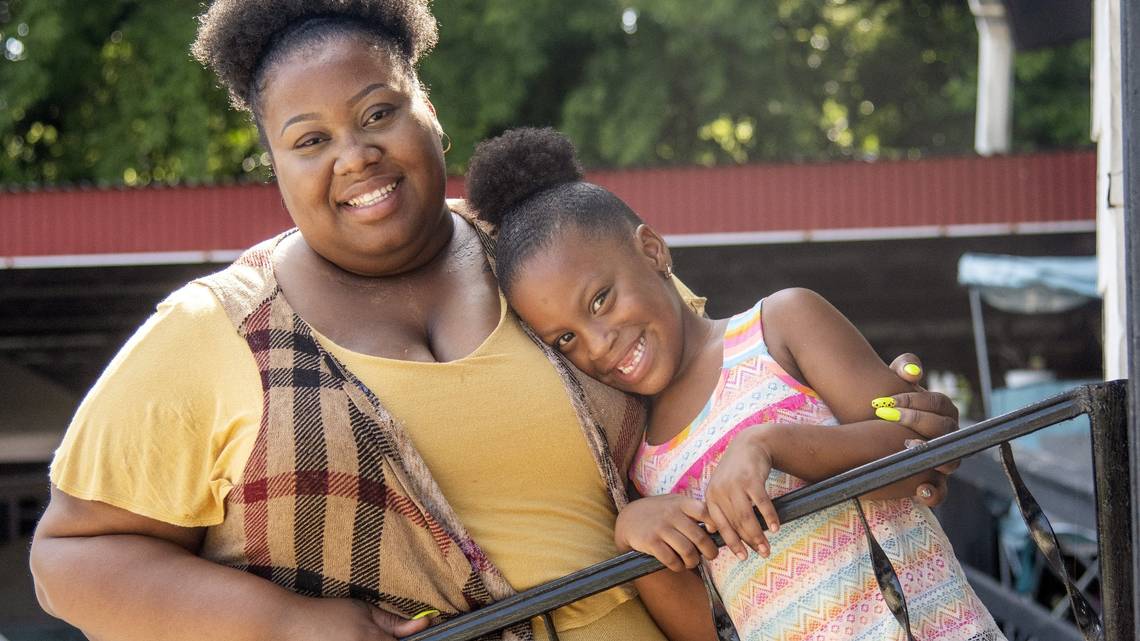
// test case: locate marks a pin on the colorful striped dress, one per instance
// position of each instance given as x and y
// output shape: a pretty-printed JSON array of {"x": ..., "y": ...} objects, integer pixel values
[{"x": 818, "y": 583}]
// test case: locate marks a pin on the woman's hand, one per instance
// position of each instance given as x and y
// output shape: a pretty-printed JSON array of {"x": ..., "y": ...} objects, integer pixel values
[
  {"x": 347, "y": 620},
  {"x": 736, "y": 485},
  {"x": 928, "y": 414},
  {"x": 668, "y": 527}
]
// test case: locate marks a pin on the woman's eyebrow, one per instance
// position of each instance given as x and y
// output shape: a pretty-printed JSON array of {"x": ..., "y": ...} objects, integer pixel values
[
  {"x": 364, "y": 92},
  {"x": 297, "y": 118}
]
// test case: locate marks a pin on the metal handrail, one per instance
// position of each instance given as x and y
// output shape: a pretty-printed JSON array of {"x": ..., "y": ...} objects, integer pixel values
[{"x": 1094, "y": 400}]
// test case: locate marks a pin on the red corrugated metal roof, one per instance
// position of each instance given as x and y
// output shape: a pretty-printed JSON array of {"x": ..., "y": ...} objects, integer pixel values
[{"x": 1009, "y": 190}]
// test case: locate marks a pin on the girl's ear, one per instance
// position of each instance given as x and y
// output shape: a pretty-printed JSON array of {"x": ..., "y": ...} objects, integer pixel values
[{"x": 653, "y": 247}]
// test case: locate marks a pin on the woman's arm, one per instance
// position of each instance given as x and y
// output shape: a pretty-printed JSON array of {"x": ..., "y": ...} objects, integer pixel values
[{"x": 116, "y": 575}]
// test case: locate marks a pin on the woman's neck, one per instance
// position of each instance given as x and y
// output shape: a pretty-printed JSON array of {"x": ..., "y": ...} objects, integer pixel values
[{"x": 413, "y": 262}]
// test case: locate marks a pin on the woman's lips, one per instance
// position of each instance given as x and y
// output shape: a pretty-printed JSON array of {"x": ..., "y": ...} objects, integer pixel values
[
  {"x": 373, "y": 197},
  {"x": 375, "y": 204}
]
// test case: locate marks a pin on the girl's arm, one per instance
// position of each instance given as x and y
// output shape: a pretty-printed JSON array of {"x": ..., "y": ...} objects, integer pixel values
[
  {"x": 667, "y": 527},
  {"x": 818, "y": 346},
  {"x": 117, "y": 575}
]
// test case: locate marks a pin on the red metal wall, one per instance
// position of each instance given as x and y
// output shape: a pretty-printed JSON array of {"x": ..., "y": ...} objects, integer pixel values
[{"x": 1036, "y": 188}]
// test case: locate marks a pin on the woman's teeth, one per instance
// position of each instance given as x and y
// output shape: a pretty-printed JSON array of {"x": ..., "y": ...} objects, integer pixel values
[
  {"x": 635, "y": 359},
  {"x": 372, "y": 197}
]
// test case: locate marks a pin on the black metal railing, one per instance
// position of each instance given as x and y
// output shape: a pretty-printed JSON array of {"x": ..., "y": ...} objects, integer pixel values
[{"x": 1105, "y": 405}]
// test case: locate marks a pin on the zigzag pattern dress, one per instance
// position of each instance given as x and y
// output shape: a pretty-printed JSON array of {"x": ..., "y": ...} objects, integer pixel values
[{"x": 818, "y": 583}]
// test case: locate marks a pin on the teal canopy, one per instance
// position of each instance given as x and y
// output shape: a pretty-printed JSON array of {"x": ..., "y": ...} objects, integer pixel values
[{"x": 1030, "y": 285}]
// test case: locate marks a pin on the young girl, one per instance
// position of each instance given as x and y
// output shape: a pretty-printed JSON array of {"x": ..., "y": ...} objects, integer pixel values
[{"x": 743, "y": 409}]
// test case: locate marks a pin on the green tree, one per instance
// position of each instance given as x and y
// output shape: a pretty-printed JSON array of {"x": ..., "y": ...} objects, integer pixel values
[{"x": 106, "y": 91}]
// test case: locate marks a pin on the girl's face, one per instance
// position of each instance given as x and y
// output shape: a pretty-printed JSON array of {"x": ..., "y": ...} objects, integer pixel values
[
  {"x": 357, "y": 154},
  {"x": 606, "y": 305}
]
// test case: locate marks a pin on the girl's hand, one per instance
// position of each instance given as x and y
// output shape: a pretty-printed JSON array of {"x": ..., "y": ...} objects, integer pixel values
[
  {"x": 736, "y": 485},
  {"x": 668, "y": 527}
]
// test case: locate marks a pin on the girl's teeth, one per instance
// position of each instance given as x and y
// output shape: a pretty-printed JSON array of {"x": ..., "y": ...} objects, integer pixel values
[
  {"x": 372, "y": 198},
  {"x": 638, "y": 352}
]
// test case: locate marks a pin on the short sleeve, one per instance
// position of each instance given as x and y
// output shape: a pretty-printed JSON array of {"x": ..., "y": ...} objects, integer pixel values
[{"x": 166, "y": 430}]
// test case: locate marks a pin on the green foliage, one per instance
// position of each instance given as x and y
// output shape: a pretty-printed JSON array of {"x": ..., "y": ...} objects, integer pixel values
[{"x": 106, "y": 91}]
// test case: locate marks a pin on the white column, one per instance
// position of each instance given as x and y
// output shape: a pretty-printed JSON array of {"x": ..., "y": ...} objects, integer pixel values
[
  {"x": 993, "y": 120},
  {"x": 1106, "y": 131}
]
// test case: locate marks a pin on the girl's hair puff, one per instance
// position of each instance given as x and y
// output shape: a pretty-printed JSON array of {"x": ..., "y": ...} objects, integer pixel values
[
  {"x": 239, "y": 39},
  {"x": 529, "y": 184}
]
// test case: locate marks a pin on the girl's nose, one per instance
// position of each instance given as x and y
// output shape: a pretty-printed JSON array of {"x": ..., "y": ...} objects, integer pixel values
[
  {"x": 357, "y": 153},
  {"x": 599, "y": 343}
]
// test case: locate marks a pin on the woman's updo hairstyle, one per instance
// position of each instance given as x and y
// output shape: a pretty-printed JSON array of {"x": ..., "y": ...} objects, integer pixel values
[
  {"x": 528, "y": 183},
  {"x": 240, "y": 39}
]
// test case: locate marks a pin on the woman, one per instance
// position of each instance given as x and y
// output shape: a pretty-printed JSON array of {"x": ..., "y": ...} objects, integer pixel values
[{"x": 246, "y": 432}]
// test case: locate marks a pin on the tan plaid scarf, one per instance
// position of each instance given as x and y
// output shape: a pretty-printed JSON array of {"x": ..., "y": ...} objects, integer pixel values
[{"x": 334, "y": 500}]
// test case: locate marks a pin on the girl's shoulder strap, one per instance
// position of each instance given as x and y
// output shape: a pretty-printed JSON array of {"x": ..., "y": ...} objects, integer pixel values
[{"x": 744, "y": 336}]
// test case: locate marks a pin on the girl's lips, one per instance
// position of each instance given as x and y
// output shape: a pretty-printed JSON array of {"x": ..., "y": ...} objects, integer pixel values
[{"x": 633, "y": 366}]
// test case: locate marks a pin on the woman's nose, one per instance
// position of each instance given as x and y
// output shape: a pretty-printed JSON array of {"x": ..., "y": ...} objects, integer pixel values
[{"x": 357, "y": 153}]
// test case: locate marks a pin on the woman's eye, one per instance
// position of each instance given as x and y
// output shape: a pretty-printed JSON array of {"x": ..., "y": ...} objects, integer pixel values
[
  {"x": 308, "y": 142},
  {"x": 377, "y": 116},
  {"x": 598, "y": 301},
  {"x": 564, "y": 340}
]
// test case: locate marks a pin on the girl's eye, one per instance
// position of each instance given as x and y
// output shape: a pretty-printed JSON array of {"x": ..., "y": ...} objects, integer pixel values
[
  {"x": 564, "y": 340},
  {"x": 599, "y": 300}
]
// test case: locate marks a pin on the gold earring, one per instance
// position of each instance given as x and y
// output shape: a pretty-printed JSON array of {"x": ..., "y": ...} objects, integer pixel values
[{"x": 443, "y": 136}]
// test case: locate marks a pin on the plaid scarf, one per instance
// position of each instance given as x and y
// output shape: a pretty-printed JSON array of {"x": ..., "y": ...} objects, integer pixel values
[{"x": 334, "y": 500}]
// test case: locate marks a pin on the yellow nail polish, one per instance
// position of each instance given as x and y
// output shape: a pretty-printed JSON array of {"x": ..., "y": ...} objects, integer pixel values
[
  {"x": 888, "y": 414},
  {"x": 431, "y": 612},
  {"x": 884, "y": 401},
  {"x": 912, "y": 369}
]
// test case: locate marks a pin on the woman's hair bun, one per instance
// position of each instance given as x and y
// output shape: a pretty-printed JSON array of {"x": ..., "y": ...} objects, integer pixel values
[
  {"x": 509, "y": 169},
  {"x": 234, "y": 35}
]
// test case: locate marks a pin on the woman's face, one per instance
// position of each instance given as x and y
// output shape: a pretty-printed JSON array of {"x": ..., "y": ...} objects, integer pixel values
[
  {"x": 605, "y": 304},
  {"x": 357, "y": 154}
]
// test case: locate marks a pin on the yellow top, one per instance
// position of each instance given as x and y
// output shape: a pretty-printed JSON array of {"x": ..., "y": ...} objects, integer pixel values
[{"x": 167, "y": 429}]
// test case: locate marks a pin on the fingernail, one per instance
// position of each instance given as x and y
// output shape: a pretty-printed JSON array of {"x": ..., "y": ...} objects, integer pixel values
[
  {"x": 742, "y": 556},
  {"x": 925, "y": 492},
  {"x": 911, "y": 443},
  {"x": 883, "y": 401},
  {"x": 765, "y": 551},
  {"x": 431, "y": 612},
  {"x": 912, "y": 369},
  {"x": 775, "y": 528},
  {"x": 888, "y": 414}
]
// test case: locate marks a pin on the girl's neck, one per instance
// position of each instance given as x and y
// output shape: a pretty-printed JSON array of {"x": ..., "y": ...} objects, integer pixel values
[{"x": 702, "y": 357}]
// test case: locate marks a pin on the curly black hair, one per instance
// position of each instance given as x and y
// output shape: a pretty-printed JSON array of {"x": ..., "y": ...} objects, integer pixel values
[
  {"x": 240, "y": 39},
  {"x": 529, "y": 184}
]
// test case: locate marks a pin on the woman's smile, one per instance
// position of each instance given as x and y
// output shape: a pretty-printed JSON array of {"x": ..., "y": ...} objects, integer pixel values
[{"x": 375, "y": 204}]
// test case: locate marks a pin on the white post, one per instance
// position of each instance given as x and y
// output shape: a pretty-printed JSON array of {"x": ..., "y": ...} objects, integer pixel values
[
  {"x": 995, "y": 78},
  {"x": 1110, "y": 234}
]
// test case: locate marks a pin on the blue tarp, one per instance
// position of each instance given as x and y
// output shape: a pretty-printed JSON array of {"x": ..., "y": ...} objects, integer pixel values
[{"x": 1030, "y": 285}]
